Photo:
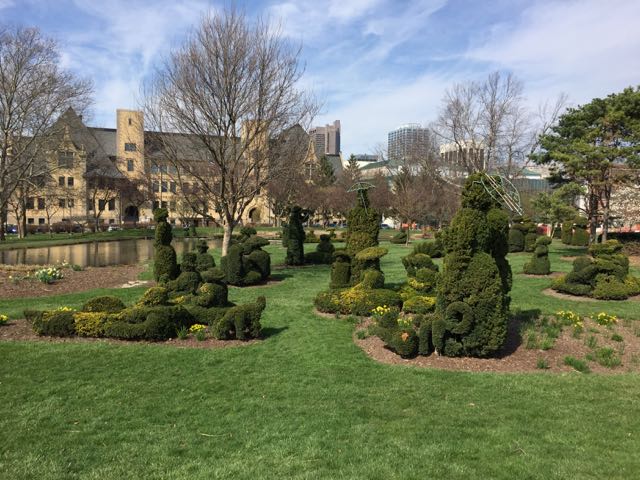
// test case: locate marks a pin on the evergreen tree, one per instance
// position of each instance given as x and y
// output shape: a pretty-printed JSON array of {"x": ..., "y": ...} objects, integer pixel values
[
  {"x": 352, "y": 171},
  {"x": 326, "y": 174}
]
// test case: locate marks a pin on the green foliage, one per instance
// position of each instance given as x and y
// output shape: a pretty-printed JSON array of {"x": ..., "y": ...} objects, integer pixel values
[
  {"x": 530, "y": 242},
  {"x": 416, "y": 261},
  {"x": 165, "y": 265},
  {"x": 231, "y": 265},
  {"x": 188, "y": 262},
  {"x": 160, "y": 215},
  {"x": 90, "y": 324},
  {"x": 258, "y": 261},
  {"x": 311, "y": 237},
  {"x": 433, "y": 249},
  {"x": 340, "y": 270},
  {"x": 419, "y": 304},
  {"x": 371, "y": 254},
  {"x": 246, "y": 232},
  {"x": 241, "y": 322},
  {"x": 404, "y": 342},
  {"x": 607, "y": 357},
  {"x": 400, "y": 237},
  {"x": 246, "y": 263},
  {"x": 295, "y": 238},
  {"x": 539, "y": 264},
  {"x": 57, "y": 323},
  {"x": 213, "y": 275},
  {"x": 580, "y": 237},
  {"x": 579, "y": 365},
  {"x": 567, "y": 232},
  {"x": 516, "y": 240},
  {"x": 472, "y": 302},
  {"x": 324, "y": 252},
  {"x": 363, "y": 225},
  {"x": 187, "y": 282},
  {"x": 356, "y": 300},
  {"x": 107, "y": 303},
  {"x": 372, "y": 279},
  {"x": 204, "y": 260},
  {"x": 155, "y": 296},
  {"x": 212, "y": 295}
]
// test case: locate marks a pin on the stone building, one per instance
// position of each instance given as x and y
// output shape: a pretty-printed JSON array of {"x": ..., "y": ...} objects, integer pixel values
[{"x": 106, "y": 176}]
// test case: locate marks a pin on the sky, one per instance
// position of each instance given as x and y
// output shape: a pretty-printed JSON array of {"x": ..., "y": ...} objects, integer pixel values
[{"x": 374, "y": 64}]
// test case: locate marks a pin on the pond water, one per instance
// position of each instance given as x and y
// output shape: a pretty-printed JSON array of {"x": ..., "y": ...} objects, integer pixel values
[{"x": 96, "y": 254}]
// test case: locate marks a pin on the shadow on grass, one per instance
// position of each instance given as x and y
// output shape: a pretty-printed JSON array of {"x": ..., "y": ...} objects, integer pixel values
[
  {"x": 268, "y": 332},
  {"x": 518, "y": 321}
]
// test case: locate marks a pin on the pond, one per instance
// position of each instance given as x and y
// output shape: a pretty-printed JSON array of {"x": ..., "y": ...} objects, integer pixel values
[{"x": 96, "y": 254}]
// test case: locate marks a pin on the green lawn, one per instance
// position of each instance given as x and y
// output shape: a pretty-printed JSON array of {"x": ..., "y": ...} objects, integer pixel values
[{"x": 306, "y": 403}]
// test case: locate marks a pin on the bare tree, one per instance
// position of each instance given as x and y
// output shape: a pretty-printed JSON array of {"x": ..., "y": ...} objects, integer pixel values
[
  {"x": 34, "y": 91},
  {"x": 229, "y": 89},
  {"x": 486, "y": 126},
  {"x": 103, "y": 193}
]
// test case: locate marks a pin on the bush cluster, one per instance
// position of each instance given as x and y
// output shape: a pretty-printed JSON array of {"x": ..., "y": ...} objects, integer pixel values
[
  {"x": 246, "y": 263},
  {"x": 574, "y": 232},
  {"x": 539, "y": 263},
  {"x": 433, "y": 249},
  {"x": 165, "y": 264},
  {"x": 400, "y": 237},
  {"x": 522, "y": 235},
  {"x": 363, "y": 225},
  {"x": 604, "y": 276}
]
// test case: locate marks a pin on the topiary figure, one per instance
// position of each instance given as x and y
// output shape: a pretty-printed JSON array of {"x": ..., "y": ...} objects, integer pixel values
[
  {"x": 433, "y": 249},
  {"x": 165, "y": 265},
  {"x": 539, "y": 264},
  {"x": 106, "y": 303},
  {"x": 246, "y": 263},
  {"x": 241, "y": 322},
  {"x": 604, "y": 276},
  {"x": 366, "y": 259},
  {"x": 400, "y": 237},
  {"x": 472, "y": 307},
  {"x": 363, "y": 225},
  {"x": 340, "y": 270},
  {"x": 295, "y": 237},
  {"x": 567, "y": 233},
  {"x": 580, "y": 235},
  {"x": 155, "y": 296},
  {"x": 232, "y": 266},
  {"x": 324, "y": 251},
  {"x": 204, "y": 260}
]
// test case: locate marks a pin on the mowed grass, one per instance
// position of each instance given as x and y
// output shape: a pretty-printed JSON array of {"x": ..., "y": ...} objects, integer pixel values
[{"x": 305, "y": 403}]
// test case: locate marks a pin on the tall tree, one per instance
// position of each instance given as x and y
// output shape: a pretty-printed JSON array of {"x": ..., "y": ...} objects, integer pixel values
[
  {"x": 558, "y": 206},
  {"x": 230, "y": 88},
  {"x": 34, "y": 91},
  {"x": 596, "y": 145},
  {"x": 352, "y": 171}
]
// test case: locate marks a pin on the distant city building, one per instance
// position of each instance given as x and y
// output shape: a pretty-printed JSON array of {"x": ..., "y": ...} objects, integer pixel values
[
  {"x": 326, "y": 139},
  {"x": 405, "y": 141},
  {"x": 456, "y": 158},
  {"x": 365, "y": 159}
]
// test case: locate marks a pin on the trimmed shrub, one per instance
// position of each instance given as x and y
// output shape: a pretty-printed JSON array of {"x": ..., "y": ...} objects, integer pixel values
[
  {"x": 366, "y": 259},
  {"x": 416, "y": 261},
  {"x": 246, "y": 263},
  {"x": 252, "y": 278},
  {"x": 580, "y": 235},
  {"x": 260, "y": 261},
  {"x": 356, "y": 300},
  {"x": 160, "y": 323},
  {"x": 241, "y": 322},
  {"x": 212, "y": 295},
  {"x": 363, "y": 225},
  {"x": 295, "y": 237},
  {"x": 516, "y": 240},
  {"x": 231, "y": 265},
  {"x": 399, "y": 238},
  {"x": 539, "y": 264},
  {"x": 90, "y": 324},
  {"x": 165, "y": 265},
  {"x": 567, "y": 233},
  {"x": 372, "y": 279},
  {"x": 57, "y": 323},
  {"x": 204, "y": 262},
  {"x": 472, "y": 307},
  {"x": 187, "y": 282},
  {"x": 324, "y": 252},
  {"x": 246, "y": 232},
  {"x": 106, "y": 303},
  {"x": 188, "y": 262},
  {"x": 425, "y": 345},
  {"x": 154, "y": 296},
  {"x": 340, "y": 270},
  {"x": 419, "y": 304},
  {"x": 206, "y": 316},
  {"x": 213, "y": 275},
  {"x": 311, "y": 237},
  {"x": 530, "y": 242},
  {"x": 404, "y": 343},
  {"x": 433, "y": 249}
]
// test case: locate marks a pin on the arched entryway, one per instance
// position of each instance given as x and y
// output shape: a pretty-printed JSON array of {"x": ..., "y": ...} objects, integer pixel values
[
  {"x": 254, "y": 215},
  {"x": 131, "y": 214}
]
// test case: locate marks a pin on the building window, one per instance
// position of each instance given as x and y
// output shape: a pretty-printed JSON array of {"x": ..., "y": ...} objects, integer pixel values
[
  {"x": 30, "y": 203},
  {"x": 70, "y": 181},
  {"x": 65, "y": 159},
  {"x": 130, "y": 147},
  {"x": 41, "y": 221},
  {"x": 155, "y": 186},
  {"x": 30, "y": 221},
  {"x": 163, "y": 204},
  {"x": 155, "y": 168},
  {"x": 112, "y": 204},
  {"x": 164, "y": 187},
  {"x": 172, "y": 187},
  {"x": 40, "y": 203},
  {"x": 130, "y": 165},
  {"x": 130, "y": 122},
  {"x": 112, "y": 220},
  {"x": 172, "y": 205},
  {"x": 61, "y": 181},
  {"x": 70, "y": 203},
  {"x": 173, "y": 169},
  {"x": 62, "y": 203},
  {"x": 101, "y": 205},
  {"x": 90, "y": 205}
]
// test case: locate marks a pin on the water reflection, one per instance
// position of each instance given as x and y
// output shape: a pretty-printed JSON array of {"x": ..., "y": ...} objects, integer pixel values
[{"x": 96, "y": 254}]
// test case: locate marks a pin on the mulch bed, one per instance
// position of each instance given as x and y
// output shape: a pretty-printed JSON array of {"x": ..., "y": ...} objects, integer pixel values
[
  {"x": 515, "y": 357},
  {"x": 73, "y": 281},
  {"x": 20, "y": 330},
  {"x": 551, "y": 275}
]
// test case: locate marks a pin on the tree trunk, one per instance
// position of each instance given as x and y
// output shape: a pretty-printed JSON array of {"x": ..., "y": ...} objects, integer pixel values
[
  {"x": 593, "y": 218},
  {"x": 3, "y": 222},
  {"x": 605, "y": 214},
  {"x": 226, "y": 238}
]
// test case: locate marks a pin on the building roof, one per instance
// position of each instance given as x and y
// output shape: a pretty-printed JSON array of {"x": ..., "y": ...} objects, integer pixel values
[{"x": 373, "y": 165}]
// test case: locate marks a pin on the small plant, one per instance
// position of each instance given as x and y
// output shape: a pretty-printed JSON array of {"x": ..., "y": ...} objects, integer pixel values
[
  {"x": 405, "y": 322},
  {"x": 567, "y": 317},
  {"x": 591, "y": 341},
  {"x": 607, "y": 357},
  {"x": 77, "y": 268},
  {"x": 49, "y": 275},
  {"x": 542, "y": 364},
  {"x": 576, "y": 364},
  {"x": 183, "y": 332},
  {"x": 617, "y": 337},
  {"x": 605, "y": 319},
  {"x": 3, "y": 319},
  {"x": 199, "y": 330},
  {"x": 15, "y": 280},
  {"x": 361, "y": 334}
]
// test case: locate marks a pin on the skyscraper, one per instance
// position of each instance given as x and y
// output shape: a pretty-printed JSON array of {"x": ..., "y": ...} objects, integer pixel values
[
  {"x": 406, "y": 140},
  {"x": 326, "y": 139}
]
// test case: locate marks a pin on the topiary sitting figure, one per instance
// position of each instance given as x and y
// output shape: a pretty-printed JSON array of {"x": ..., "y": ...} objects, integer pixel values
[
  {"x": 539, "y": 264},
  {"x": 472, "y": 307},
  {"x": 189, "y": 279},
  {"x": 295, "y": 237},
  {"x": 324, "y": 251},
  {"x": 165, "y": 265},
  {"x": 204, "y": 260},
  {"x": 246, "y": 263}
]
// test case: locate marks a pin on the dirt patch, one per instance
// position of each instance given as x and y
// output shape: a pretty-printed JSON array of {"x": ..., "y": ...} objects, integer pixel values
[
  {"x": 20, "y": 330},
  {"x": 551, "y": 275},
  {"x": 634, "y": 261},
  {"x": 14, "y": 283},
  {"x": 515, "y": 357}
]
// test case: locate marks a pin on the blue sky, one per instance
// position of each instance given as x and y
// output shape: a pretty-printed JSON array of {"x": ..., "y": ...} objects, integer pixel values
[{"x": 374, "y": 63}]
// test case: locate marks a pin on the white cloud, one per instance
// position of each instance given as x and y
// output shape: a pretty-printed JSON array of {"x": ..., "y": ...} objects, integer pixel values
[{"x": 587, "y": 48}]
